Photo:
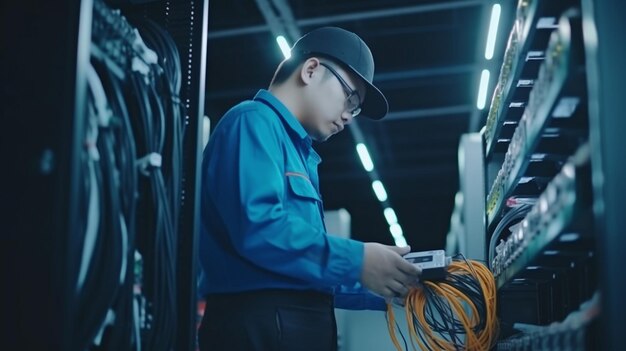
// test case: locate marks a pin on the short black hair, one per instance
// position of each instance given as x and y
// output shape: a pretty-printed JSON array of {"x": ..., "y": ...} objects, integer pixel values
[{"x": 289, "y": 66}]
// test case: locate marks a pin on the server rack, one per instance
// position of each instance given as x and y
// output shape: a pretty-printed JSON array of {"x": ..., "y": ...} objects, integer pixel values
[
  {"x": 605, "y": 57},
  {"x": 552, "y": 199},
  {"x": 46, "y": 51}
]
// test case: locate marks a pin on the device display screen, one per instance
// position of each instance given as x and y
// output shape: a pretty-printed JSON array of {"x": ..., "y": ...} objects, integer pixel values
[{"x": 421, "y": 259}]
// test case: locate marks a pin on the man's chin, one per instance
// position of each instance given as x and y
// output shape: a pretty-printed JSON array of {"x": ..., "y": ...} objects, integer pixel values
[{"x": 320, "y": 138}]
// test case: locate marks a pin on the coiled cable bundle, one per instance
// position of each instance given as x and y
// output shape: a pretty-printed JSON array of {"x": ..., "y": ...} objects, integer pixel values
[{"x": 456, "y": 313}]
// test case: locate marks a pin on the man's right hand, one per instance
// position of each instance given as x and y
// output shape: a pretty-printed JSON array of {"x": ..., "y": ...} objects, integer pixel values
[{"x": 385, "y": 272}]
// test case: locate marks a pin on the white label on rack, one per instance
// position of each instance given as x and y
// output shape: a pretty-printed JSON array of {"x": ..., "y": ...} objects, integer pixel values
[
  {"x": 525, "y": 83},
  {"x": 535, "y": 55},
  {"x": 566, "y": 107},
  {"x": 547, "y": 23},
  {"x": 569, "y": 237},
  {"x": 551, "y": 130}
]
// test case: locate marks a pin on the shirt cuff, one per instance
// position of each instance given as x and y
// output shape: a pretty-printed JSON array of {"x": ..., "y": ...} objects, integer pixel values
[
  {"x": 360, "y": 301},
  {"x": 345, "y": 261}
]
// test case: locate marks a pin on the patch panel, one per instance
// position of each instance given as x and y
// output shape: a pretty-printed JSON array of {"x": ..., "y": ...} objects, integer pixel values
[
  {"x": 525, "y": 48},
  {"x": 558, "y": 74},
  {"x": 563, "y": 201},
  {"x": 573, "y": 333},
  {"x": 553, "y": 126}
]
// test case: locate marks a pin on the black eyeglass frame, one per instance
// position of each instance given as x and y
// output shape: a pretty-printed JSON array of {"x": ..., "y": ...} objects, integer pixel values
[{"x": 353, "y": 99}]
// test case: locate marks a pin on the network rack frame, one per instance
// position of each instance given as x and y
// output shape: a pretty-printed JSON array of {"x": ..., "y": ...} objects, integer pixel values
[
  {"x": 578, "y": 104},
  {"x": 46, "y": 51}
]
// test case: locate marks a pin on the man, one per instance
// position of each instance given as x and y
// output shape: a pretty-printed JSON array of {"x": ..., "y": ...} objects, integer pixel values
[{"x": 271, "y": 274}]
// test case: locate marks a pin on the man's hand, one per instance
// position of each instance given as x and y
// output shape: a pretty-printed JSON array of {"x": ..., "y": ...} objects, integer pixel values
[{"x": 385, "y": 272}]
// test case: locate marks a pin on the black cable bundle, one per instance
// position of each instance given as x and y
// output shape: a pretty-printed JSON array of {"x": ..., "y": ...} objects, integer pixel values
[
  {"x": 167, "y": 86},
  {"x": 105, "y": 310},
  {"x": 134, "y": 126},
  {"x": 159, "y": 113},
  {"x": 158, "y": 239},
  {"x": 119, "y": 336},
  {"x": 515, "y": 215},
  {"x": 102, "y": 267}
]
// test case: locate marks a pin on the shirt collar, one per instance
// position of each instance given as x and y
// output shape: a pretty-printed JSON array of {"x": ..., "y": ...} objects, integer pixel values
[{"x": 284, "y": 113}]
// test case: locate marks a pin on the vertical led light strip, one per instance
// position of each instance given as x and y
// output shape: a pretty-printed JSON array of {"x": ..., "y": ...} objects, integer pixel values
[
  {"x": 492, "y": 35},
  {"x": 493, "y": 31},
  {"x": 482, "y": 90}
]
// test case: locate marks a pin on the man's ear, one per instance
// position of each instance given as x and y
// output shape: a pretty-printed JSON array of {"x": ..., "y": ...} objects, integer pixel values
[{"x": 309, "y": 70}]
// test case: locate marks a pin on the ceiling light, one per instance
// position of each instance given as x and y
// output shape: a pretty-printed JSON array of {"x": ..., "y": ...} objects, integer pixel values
[
  {"x": 396, "y": 231},
  {"x": 379, "y": 190},
  {"x": 400, "y": 241},
  {"x": 284, "y": 46},
  {"x": 364, "y": 155},
  {"x": 390, "y": 215}
]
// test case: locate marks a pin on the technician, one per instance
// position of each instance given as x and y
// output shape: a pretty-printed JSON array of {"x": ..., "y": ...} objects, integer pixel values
[{"x": 271, "y": 274}]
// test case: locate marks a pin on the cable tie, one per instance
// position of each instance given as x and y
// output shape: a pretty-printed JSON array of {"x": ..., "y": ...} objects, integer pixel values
[
  {"x": 147, "y": 55},
  {"x": 92, "y": 150},
  {"x": 109, "y": 320},
  {"x": 104, "y": 117},
  {"x": 149, "y": 162},
  {"x": 139, "y": 65}
]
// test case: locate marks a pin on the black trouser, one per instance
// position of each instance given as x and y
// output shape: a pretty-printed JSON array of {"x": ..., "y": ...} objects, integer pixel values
[{"x": 269, "y": 320}]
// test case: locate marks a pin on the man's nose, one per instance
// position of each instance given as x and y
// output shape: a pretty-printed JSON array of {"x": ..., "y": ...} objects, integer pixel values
[{"x": 346, "y": 117}]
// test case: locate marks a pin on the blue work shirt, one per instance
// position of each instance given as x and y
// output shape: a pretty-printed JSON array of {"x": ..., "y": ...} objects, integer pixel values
[{"x": 262, "y": 224}]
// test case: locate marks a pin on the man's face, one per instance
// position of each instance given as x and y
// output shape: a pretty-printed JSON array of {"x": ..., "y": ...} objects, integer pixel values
[{"x": 327, "y": 109}]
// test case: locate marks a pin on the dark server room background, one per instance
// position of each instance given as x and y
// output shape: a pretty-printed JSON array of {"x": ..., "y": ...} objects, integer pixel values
[{"x": 503, "y": 142}]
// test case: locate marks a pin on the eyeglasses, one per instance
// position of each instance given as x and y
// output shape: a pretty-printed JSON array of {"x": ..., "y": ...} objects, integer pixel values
[{"x": 353, "y": 100}]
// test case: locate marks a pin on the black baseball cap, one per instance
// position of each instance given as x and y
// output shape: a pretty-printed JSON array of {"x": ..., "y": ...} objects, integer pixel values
[{"x": 350, "y": 50}]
